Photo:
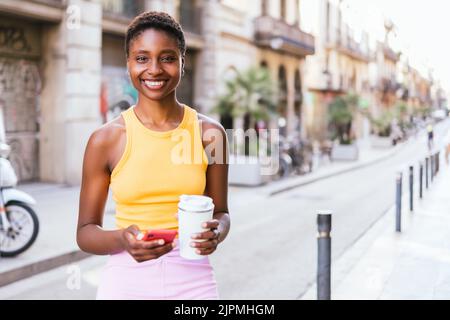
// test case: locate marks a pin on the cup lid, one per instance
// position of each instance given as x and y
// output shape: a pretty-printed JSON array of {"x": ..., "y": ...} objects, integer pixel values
[{"x": 195, "y": 203}]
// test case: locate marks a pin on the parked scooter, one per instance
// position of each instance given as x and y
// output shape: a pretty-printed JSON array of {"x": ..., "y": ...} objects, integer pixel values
[{"x": 19, "y": 224}]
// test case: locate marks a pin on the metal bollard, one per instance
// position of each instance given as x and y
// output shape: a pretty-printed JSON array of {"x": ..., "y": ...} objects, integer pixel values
[
  {"x": 431, "y": 167},
  {"x": 437, "y": 162},
  {"x": 421, "y": 181},
  {"x": 411, "y": 188},
  {"x": 426, "y": 171},
  {"x": 398, "y": 215},
  {"x": 324, "y": 255}
]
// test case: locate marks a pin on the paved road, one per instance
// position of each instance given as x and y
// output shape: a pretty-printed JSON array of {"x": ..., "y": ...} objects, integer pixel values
[{"x": 271, "y": 250}]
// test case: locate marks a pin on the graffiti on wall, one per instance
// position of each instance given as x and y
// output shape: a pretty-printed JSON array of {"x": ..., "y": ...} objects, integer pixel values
[
  {"x": 20, "y": 86},
  {"x": 13, "y": 38},
  {"x": 117, "y": 93}
]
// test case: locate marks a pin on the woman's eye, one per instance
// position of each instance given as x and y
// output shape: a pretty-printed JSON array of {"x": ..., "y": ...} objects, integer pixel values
[
  {"x": 168, "y": 59},
  {"x": 141, "y": 59}
]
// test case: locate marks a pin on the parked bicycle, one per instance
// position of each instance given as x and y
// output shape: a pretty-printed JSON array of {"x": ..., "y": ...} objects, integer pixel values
[{"x": 295, "y": 156}]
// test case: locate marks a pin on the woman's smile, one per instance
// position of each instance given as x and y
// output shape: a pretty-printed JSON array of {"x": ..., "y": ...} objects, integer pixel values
[{"x": 153, "y": 84}]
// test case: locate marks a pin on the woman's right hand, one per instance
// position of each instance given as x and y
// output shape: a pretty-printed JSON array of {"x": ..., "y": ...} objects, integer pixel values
[{"x": 143, "y": 250}]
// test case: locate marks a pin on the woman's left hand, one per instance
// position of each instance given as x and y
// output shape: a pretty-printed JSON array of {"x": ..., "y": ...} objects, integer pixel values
[{"x": 210, "y": 238}]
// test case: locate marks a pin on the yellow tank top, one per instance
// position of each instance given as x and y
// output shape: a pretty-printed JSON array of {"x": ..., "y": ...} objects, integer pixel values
[{"x": 155, "y": 169}]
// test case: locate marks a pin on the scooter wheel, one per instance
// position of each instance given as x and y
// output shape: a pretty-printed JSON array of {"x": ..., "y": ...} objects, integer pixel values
[{"x": 12, "y": 245}]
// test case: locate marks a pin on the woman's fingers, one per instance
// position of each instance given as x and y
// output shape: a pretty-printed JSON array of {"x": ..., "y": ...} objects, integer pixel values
[
  {"x": 205, "y": 252},
  {"x": 210, "y": 234},
  {"x": 204, "y": 244},
  {"x": 143, "y": 254},
  {"x": 211, "y": 224},
  {"x": 150, "y": 244}
]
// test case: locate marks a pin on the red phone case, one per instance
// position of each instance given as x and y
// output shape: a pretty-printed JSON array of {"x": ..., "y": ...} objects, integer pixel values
[{"x": 167, "y": 235}]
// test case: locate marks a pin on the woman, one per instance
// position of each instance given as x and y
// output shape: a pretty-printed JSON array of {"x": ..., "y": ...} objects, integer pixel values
[{"x": 134, "y": 154}]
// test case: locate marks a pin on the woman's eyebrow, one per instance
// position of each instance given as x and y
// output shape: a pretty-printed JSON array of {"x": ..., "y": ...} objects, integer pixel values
[{"x": 162, "y": 51}]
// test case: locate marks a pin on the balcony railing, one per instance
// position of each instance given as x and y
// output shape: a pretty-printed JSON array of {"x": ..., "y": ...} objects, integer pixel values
[
  {"x": 347, "y": 45},
  {"x": 354, "y": 50},
  {"x": 122, "y": 8},
  {"x": 388, "y": 85},
  {"x": 277, "y": 34}
]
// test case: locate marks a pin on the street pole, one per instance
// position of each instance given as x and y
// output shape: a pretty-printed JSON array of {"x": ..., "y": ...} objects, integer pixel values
[
  {"x": 398, "y": 216},
  {"x": 426, "y": 171},
  {"x": 432, "y": 167},
  {"x": 421, "y": 181},
  {"x": 411, "y": 188},
  {"x": 437, "y": 162},
  {"x": 324, "y": 255}
]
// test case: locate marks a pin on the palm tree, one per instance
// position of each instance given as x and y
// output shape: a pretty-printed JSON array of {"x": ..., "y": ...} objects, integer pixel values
[
  {"x": 249, "y": 93},
  {"x": 341, "y": 113}
]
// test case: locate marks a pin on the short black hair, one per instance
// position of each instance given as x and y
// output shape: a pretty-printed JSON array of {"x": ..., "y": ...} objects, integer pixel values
[{"x": 155, "y": 20}]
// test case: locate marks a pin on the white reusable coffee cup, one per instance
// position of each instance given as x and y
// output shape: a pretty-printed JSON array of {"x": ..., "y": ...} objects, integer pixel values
[{"x": 193, "y": 211}]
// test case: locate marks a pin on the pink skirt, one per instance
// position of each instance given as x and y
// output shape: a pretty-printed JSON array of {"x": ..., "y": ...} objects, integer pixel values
[{"x": 170, "y": 277}]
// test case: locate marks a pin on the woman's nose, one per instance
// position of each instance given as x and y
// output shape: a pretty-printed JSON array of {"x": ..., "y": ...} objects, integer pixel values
[{"x": 154, "y": 67}]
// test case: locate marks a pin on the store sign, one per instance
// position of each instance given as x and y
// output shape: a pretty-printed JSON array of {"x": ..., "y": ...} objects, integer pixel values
[{"x": 19, "y": 39}]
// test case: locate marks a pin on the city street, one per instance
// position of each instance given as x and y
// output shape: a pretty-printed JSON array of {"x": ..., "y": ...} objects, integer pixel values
[
  {"x": 271, "y": 250},
  {"x": 130, "y": 99}
]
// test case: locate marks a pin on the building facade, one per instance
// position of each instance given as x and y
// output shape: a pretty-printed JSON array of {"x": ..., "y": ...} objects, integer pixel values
[
  {"x": 63, "y": 68},
  {"x": 339, "y": 67}
]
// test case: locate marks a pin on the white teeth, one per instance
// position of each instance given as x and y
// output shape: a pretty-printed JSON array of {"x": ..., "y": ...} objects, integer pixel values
[{"x": 154, "y": 83}]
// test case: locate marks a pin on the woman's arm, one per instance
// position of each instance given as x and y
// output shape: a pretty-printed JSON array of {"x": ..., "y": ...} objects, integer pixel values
[
  {"x": 216, "y": 146},
  {"x": 91, "y": 237}
]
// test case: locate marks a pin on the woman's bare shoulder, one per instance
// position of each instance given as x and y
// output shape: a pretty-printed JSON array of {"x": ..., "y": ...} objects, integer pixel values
[
  {"x": 209, "y": 123},
  {"x": 109, "y": 133}
]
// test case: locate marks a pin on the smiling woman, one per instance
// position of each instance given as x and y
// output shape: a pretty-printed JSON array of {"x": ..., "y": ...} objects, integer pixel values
[{"x": 133, "y": 154}]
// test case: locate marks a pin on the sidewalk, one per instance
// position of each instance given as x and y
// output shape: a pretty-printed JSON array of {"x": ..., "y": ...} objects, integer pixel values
[{"x": 413, "y": 264}]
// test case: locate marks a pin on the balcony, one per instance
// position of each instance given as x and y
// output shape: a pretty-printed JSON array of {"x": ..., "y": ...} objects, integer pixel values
[
  {"x": 117, "y": 14},
  {"x": 190, "y": 17},
  {"x": 278, "y": 35},
  {"x": 353, "y": 49},
  {"x": 390, "y": 54},
  {"x": 122, "y": 9},
  {"x": 348, "y": 46},
  {"x": 387, "y": 85},
  {"x": 43, "y": 10}
]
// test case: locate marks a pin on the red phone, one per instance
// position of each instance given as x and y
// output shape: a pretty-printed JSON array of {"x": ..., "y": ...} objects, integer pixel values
[{"x": 167, "y": 235}]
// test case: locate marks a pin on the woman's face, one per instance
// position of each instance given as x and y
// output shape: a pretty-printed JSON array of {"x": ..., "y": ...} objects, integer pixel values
[{"x": 154, "y": 63}]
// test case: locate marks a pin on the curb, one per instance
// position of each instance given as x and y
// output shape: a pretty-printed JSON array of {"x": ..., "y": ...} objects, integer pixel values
[
  {"x": 35, "y": 268},
  {"x": 337, "y": 172}
]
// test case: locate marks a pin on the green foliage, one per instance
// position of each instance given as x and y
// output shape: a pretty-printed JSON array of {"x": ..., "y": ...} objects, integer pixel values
[
  {"x": 248, "y": 92},
  {"x": 422, "y": 111},
  {"x": 382, "y": 124},
  {"x": 341, "y": 111}
]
